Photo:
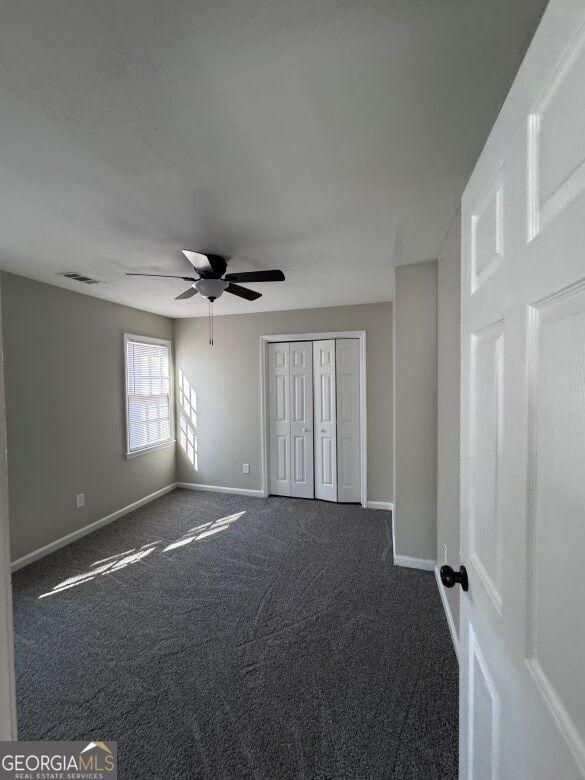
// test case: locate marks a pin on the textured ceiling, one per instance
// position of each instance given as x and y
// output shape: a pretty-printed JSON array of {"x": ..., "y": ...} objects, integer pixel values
[{"x": 331, "y": 139}]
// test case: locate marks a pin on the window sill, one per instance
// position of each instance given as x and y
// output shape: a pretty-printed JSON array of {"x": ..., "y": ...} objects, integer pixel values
[{"x": 155, "y": 448}]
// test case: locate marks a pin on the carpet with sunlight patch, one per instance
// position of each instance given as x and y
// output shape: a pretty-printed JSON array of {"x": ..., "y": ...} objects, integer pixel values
[{"x": 218, "y": 636}]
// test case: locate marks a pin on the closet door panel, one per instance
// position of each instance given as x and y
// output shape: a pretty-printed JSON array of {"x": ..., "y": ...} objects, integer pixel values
[
  {"x": 279, "y": 418},
  {"x": 348, "y": 420},
  {"x": 301, "y": 412},
  {"x": 325, "y": 420}
]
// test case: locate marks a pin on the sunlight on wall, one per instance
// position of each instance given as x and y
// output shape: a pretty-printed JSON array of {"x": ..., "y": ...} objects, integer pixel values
[
  {"x": 120, "y": 561},
  {"x": 187, "y": 419}
]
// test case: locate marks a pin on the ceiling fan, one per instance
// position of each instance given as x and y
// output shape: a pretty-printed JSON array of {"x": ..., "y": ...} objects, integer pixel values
[{"x": 212, "y": 281}]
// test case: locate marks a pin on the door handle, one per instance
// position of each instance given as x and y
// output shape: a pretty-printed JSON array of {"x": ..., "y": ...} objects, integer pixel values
[
  {"x": 449, "y": 577},
  {"x": 323, "y": 430},
  {"x": 306, "y": 430}
]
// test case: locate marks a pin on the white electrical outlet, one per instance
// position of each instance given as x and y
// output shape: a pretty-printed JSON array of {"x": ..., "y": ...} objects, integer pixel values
[
  {"x": 445, "y": 554},
  {"x": 79, "y": 500},
  {"x": 245, "y": 468}
]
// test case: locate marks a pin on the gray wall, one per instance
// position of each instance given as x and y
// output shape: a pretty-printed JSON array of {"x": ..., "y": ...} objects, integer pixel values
[
  {"x": 415, "y": 412},
  {"x": 65, "y": 411},
  {"x": 448, "y": 407},
  {"x": 7, "y": 687},
  {"x": 226, "y": 379}
]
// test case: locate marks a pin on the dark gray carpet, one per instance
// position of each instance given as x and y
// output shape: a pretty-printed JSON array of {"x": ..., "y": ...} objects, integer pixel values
[{"x": 282, "y": 643}]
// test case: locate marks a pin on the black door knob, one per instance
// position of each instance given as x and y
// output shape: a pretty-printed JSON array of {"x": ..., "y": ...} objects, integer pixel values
[{"x": 449, "y": 577}]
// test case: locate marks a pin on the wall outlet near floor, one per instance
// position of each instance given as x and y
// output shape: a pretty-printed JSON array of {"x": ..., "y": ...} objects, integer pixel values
[
  {"x": 245, "y": 468},
  {"x": 445, "y": 554},
  {"x": 79, "y": 500}
]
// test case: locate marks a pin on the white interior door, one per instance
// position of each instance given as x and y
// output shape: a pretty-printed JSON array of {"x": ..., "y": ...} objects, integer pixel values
[
  {"x": 301, "y": 415},
  {"x": 325, "y": 420},
  {"x": 522, "y": 682},
  {"x": 347, "y": 363},
  {"x": 279, "y": 421}
]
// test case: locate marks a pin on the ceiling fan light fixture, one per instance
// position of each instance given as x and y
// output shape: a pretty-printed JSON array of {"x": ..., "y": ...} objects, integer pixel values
[{"x": 211, "y": 288}]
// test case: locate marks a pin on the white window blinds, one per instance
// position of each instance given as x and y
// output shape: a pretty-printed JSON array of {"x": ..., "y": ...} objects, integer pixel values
[{"x": 149, "y": 413}]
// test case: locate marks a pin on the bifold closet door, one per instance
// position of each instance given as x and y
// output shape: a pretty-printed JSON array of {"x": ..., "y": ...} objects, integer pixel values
[
  {"x": 314, "y": 419},
  {"x": 290, "y": 408},
  {"x": 301, "y": 416},
  {"x": 325, "y": 420},
  {"x": 279, "y": 418},
  {"x": 347, "y": 365}
]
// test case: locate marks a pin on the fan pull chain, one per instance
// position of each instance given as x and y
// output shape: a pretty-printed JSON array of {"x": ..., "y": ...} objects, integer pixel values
[{"x": 211, "y": 323}]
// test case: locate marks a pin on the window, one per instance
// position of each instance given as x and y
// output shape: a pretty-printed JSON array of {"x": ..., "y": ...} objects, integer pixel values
[{"x": 149, "y": 413}]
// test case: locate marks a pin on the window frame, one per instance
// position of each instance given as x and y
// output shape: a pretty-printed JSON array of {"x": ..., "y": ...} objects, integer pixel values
[{"x": 170, "y": 442}]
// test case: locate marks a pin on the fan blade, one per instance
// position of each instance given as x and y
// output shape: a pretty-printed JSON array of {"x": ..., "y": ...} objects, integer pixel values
[
  {"x": 168, "y": 276},
  {"x": 243, "y": 292},
  {"x": 256, "y": 276},
  {"x": 209, "y": 266},
  {"x": 199, "y": 261},
  {"x": 187, "y": 294}
]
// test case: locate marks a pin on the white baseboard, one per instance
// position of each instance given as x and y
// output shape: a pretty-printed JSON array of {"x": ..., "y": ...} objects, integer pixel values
[
  {"x": 450, "y": 621},
  {"x": 19, "y": 563},
  {"x": 221, "y": 489},
  {"x": 414, "y": 563},
  {"x": 387, "y": 505}
]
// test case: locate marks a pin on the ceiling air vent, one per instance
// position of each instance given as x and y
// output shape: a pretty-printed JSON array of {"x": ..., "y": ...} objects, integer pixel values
[{"x": 79, "y": 277}]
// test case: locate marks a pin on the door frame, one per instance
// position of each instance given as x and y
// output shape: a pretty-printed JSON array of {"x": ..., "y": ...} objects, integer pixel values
[{"x": 341, "y": 334}]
